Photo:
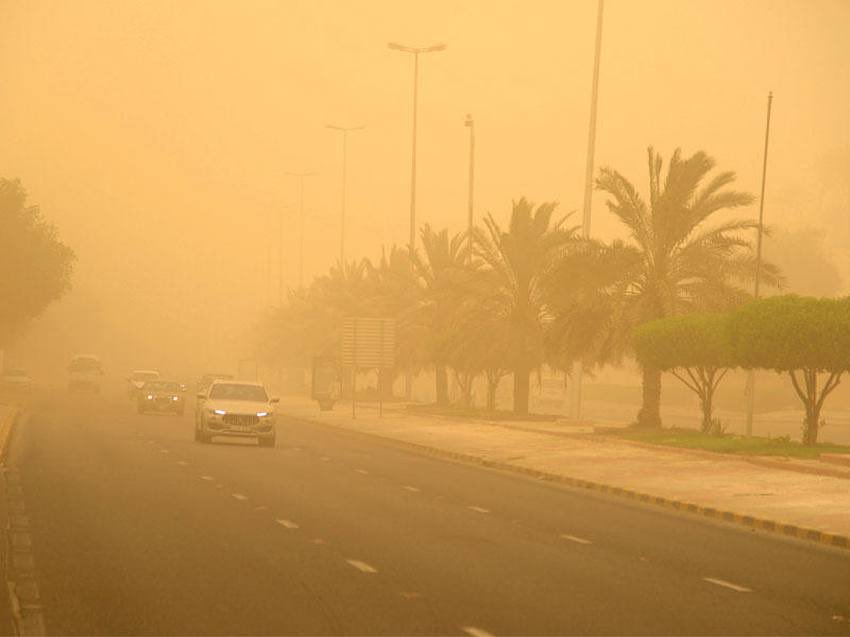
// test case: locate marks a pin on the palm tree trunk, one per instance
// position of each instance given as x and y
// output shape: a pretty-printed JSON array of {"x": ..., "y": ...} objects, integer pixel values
[
  {"x": 650, "y": 412},
  {"x": 521, "y": 388},
  {"x": 442, "y": 385}
]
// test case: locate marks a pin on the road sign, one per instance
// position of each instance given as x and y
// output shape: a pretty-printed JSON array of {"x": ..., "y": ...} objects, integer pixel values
[{"x": 368, "y": 342}]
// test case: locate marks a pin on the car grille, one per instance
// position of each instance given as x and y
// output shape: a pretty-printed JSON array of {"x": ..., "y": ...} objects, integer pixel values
[{"x": 241, "y": 420}]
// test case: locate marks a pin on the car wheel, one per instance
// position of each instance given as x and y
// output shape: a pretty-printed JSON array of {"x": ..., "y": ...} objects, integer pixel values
[
  {"x": 267, "y": 442},
  {"x": 140, "y": 409}
]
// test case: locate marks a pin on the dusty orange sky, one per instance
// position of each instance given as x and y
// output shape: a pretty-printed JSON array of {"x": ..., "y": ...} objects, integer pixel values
[{"x": 157, "y": 134}]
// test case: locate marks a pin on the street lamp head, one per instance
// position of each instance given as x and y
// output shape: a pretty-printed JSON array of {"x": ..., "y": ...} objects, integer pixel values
[
  {"x": 412, "y": 49},
  {"x": 468, "y": 121}
]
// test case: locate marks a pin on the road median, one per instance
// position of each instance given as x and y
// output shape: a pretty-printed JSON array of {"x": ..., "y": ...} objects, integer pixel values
[{"x": 721, "y": 487}]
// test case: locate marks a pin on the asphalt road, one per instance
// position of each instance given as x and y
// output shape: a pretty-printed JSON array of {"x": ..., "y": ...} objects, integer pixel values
[{"x": 136, "y": 529}]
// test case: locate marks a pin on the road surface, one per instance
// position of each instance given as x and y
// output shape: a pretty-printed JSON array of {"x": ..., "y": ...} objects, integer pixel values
[{"x": 136, "y": 529}]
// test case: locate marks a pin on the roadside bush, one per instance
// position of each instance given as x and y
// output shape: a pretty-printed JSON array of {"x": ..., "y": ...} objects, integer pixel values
[
  {"x": 807, "y": 338},
  {"x": 696, "y": 349}
]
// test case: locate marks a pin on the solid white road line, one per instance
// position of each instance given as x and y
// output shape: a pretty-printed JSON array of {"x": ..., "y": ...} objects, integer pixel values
[
  {"x": 577, "y": 540},
  {"x": 472, "y": 631},
  {"x": 479, "y": 509},
  {"x": 729, "y": 585},
  {"x": 287, "y": 524},
  {"x": 207, "y": 478},
  {"x": 413, "y": 489},
  {"x": 239, "y": 496},
  {"x": 363, "y": 567}
]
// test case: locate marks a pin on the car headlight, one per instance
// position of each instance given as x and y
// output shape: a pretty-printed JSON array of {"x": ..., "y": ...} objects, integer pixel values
[
  {"x": 150, "y": 397},
  {"x": 175, "y": 398},
  {"x": 219, "y": 412},
  {"x": 262, "y": 414}
]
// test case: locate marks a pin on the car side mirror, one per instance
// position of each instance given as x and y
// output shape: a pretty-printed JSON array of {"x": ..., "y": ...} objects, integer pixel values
[
  {"x": 200, "y": 396},
  {"x": 275, "y": 400}
]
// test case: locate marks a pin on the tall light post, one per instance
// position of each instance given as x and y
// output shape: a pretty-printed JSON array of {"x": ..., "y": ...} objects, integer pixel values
[
  {"x": 751, "y": 377},
  {"x": 575, "y": 399},
  {"x": 415, "y": 51},
  {"x": 280, "y": 282},
  {"x": 344, "y": 130},
  {"x": 470, "y": 124},
  {"x": 300, "y": 176}
]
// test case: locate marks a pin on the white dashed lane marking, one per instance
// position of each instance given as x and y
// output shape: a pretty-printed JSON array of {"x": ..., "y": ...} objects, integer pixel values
[
  {"x": 325, "y": 459},
  {"x": 363, "y": 471},
  {"x": 577, "y": 540},
  {"x": 472, "y": 631},
  {"x": 239, "y": 496},
  {"x": 479, "y": 509},
  {"x": 411, "y": 489},
  {"x": 164, "y": 451},
  {"x": 183, "y": 463},
  {"x": 363, "y": 567},
  {"x": 287, "y": 524},
  {"x": 207, "y": 478},
  {"x": 729, "y": 585}
]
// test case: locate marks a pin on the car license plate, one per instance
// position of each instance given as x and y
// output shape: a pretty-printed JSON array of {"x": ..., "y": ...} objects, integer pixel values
[{"x": 241, "y": 428}]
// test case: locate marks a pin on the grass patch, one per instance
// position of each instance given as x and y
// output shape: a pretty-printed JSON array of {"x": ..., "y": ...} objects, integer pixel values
[
  {"x": 731, "y": 444},
  {"x": 458, "y": 411}
]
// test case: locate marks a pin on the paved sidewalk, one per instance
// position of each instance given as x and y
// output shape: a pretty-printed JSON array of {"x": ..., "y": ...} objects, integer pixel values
[{"x": 810, "y": 505}]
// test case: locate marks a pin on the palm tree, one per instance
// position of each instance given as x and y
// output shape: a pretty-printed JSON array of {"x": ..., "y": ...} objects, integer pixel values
[
  {"x": 673, "y": 263},
  {"x": 517, "y": 259},
  {"x": 441, "y": 270}
]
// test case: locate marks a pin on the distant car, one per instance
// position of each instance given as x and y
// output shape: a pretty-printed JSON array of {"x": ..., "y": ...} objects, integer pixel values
[
  {"x": 85, "y": 373},
  {"x": 161, "y": 396},
  {"x": 235, "y": 408},
  {"x": 137, "y": 378},
  {"x": 206, "y": 380},
  {"x": 15, "y": 380}
]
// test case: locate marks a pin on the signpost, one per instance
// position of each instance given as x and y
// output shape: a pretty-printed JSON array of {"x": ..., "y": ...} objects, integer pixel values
[{"x": 368, "y": 343}]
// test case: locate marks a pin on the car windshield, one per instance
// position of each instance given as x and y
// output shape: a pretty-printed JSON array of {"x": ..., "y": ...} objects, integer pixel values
[
  {"x": 160, "y": 385},
  {"x": 232, "y": 391},
  {"x": 145, "y": 375}
]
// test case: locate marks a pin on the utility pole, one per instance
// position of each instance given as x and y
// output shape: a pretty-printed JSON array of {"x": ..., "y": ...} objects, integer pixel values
[
  {"x": 415, "y": 51},
  {"x": 344, "y": 130},
  {"x": 301, "y": 176},
  {"x": 751, "y": 376},
  {"x": 470, "y": 124},
  {"x": 578, "y": 369}
]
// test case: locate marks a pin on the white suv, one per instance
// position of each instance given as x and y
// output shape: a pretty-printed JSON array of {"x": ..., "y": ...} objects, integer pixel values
[{"x": 235, "y": 408}]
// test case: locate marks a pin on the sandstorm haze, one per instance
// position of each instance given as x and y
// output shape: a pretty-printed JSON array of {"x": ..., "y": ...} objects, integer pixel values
[{"x": 157, "y": 135}]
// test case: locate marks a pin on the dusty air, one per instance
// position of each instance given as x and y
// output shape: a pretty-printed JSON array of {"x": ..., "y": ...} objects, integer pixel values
[{"x": 458, "y": 318}]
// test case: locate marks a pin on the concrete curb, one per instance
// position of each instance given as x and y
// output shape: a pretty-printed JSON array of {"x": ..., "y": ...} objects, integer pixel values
[{"x": 750, "y": 521}]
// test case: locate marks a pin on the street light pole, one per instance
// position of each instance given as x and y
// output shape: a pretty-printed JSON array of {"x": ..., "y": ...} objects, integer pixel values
[
  {"x": 415, "y": 51},
  {"x": 578, "y": 368},
  {"x": 344, "y": 130},
  {"x": 300, "y": 177},
  {"x": 751, "y": 377},
  {"x": 470, "y": 124}
]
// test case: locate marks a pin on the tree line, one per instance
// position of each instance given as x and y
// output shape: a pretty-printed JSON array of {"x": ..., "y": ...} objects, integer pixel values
[
  {"x": 35, "y": 265},
  {"x": 506, "y": 299}
]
